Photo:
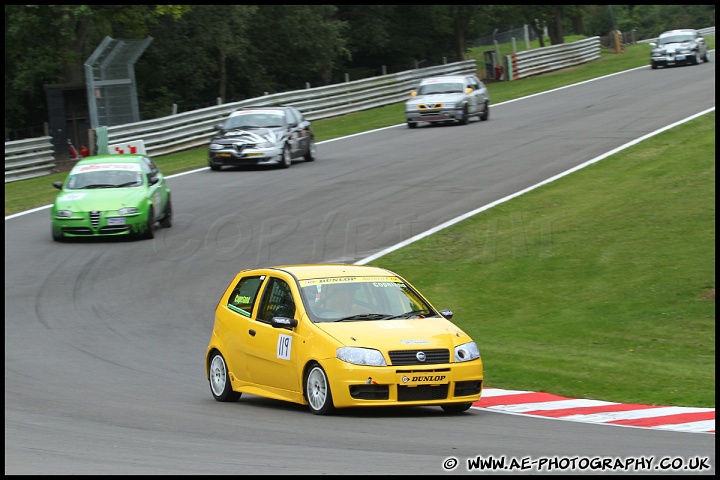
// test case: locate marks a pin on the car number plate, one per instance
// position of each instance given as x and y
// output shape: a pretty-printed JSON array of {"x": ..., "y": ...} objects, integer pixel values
[
  {"x": 430, "y": 378},
  {"x": 222, "y": 155},
  {"x": 679, "y": 57},
  {"x": 116, "y": 221}
]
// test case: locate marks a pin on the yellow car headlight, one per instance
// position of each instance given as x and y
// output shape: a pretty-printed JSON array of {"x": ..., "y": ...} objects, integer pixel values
[
  {"x": 466, "y": 352},
  {"x": 361, "y": 356}
]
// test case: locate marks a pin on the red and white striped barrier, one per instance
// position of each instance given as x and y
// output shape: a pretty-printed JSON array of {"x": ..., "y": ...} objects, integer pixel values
[{"x": 684, "y": 419}]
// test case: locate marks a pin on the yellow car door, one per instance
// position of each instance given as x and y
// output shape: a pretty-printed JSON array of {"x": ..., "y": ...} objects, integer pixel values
[
  {"x": 233, "y": 324},
  {"x": 272, "y": 352}
]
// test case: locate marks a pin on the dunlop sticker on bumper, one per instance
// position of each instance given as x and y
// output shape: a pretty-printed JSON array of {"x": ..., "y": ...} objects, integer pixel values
[{"x": 431, "y": 378}]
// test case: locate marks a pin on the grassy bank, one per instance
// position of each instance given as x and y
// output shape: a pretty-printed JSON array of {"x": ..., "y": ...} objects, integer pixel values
[{"x": 600, "y": 285}]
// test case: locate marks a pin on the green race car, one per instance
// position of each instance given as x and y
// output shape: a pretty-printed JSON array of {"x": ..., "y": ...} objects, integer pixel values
[{"x": 111, "y": 195}]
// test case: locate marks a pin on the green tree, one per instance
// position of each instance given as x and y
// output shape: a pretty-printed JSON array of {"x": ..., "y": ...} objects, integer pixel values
[
  {"x": 377, "y": 36},
  {"x": 649, "y": 21},
  {"x": 48, "y": 44},
  {"x": 224, "y": 33},
  {"x": 203, "y": 52},
  {"x": 537, "y": 17},
  {"x": 208, "y": 38},
  {"x": 462, "y": 17},
  {"x": 296, "y": 44},
  {"x": 399, "y": 37}
]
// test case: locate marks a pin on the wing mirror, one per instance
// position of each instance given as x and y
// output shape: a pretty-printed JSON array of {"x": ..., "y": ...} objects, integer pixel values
[{"x": 283, "y": 322}]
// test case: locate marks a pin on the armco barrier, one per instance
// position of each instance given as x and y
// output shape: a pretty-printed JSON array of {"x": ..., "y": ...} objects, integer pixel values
[
  {"x": 527, "y": 63},
  {"x": 547, "y": 59},
  {"x": 192, "y": 129},
  {"x": 28, "y": 158}
]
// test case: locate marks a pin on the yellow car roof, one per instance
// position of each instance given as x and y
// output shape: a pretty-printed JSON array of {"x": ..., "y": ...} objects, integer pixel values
[{"x": 307, "y": 271}]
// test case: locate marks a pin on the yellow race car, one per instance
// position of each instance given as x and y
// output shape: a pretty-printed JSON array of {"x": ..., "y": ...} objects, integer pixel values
[{"x": 335, "y": 336}]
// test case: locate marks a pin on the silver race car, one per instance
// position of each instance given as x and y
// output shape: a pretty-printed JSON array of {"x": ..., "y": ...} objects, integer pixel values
[
  {"x": 448, "y": 99},
  {"x": 263, "y": 136}
]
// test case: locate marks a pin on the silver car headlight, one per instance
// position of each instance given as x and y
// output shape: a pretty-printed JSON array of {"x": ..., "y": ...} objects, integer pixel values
[
  {"x": 361, "y": 356},
  {"x": 216, "y": 146},
  {"x": 64, "y": 213},
  {"x": 450, "y": 104},
  {"x": 265, "y": 145},
  {"x": 128, "y": 210},
  {"x": 466, "y": 352}
]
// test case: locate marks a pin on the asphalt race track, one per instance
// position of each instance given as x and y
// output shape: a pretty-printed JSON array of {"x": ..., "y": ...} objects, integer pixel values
[{"x": 105, "y": 341}]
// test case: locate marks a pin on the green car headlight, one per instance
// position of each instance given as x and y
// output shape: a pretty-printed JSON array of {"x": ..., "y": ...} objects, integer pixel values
[
  {"x": 64, "y": 213},
  {"x": 129, "y": 211},
  {"x": 466, "y": 352},
  {"x": 361, "y": 356}
]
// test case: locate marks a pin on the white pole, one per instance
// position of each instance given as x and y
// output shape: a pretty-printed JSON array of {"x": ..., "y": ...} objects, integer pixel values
[{"x": 527, "y": 37}]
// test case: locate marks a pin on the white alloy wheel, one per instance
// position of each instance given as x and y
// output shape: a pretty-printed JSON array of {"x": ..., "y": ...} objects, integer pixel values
[
  {"x": 220, "y": 381},
  {"x": 317, "y": 391}
]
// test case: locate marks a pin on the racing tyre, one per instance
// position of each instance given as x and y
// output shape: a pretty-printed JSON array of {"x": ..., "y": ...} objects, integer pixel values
[
  {"x": 219, "y": 379},
  {"x": 214, "y": 168},
  {"x": 456, "y": 407},
  {"x": 696, "y": 59},
  {"x": 653, "y": 66},
  {"x": 311, "y": 154},
  {"x": 412, "y": 124},
  {"x": 706, "y": 59},
  {"x": 286, "y": 159},
  {"x": 166, "y": 221},
  {"x": 486, "y": 112},
  {"x": 465, "y": 117},
  {"x": 58, "y": 237},
  {"x": 317, "y": 391},
  {"x": 149, "y": 233}
]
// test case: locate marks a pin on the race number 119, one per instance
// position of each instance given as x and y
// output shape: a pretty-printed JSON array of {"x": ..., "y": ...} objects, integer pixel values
[{"x": 283, "y": 347}]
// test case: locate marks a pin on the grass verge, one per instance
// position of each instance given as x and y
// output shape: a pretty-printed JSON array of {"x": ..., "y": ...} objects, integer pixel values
[{"x": 600, "y": 285}]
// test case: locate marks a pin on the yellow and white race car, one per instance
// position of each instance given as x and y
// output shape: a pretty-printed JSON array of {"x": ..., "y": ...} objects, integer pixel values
[{"x": 334, "y": 336}]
